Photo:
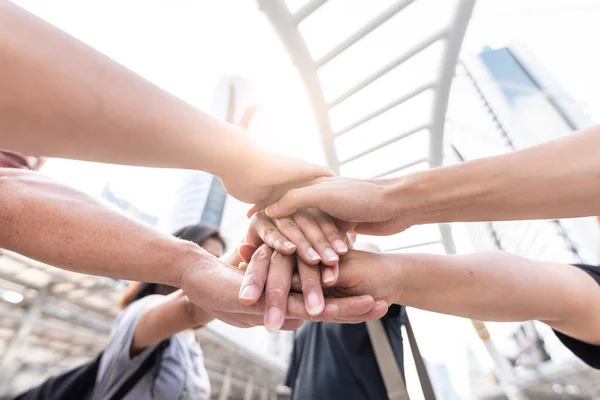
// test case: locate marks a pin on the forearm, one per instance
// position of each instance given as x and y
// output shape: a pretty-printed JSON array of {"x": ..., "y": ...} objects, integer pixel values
[
  {"x": 558, "y": 179},
  {"x": 59, "y": 97},
  {"x": 496, "y": 286},
  {"x": 175, "y": 314},
  {"x": 52, "y": 223}
]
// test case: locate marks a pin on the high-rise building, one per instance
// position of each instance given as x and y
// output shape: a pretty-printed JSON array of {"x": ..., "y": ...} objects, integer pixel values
[{"x": 504, "y": 100}]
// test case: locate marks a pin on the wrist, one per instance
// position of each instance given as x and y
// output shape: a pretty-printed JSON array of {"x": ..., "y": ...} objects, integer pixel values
[
  {"x": 436, "y": 196},
  {"x": 188, "y": 259},
  {"x": 405, "y": 195},
  {"x": 238, "y": 152},
  {"x": 395, "y": 264}
]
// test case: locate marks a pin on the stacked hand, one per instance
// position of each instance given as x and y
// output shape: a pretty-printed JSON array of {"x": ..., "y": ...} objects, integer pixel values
[
  {"x": 217, "y": 297},
  {"x": 361, "y": 273},
  {"x": 365, "y": 205},
  {"x": 269, "y": 262},
  {"x": 301, "y": 237}
]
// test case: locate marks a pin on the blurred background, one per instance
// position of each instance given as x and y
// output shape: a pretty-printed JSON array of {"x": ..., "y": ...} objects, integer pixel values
[{"x": 367, "y": 87}]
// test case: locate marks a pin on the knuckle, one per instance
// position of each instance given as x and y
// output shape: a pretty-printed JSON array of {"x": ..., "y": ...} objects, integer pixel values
[
  {"x": 253, "y": 277},
  {"x": 291, "y": 195},
  {"x": 321, "y": 241},
  {"x": 261, "y": 254},
  {"x": 270, "y": 233},
  {"x": 277, "y": 256},
  {"x": 276, "y": 291},
  {"x": 309, "y": 282},
  {"x": 301, "y": 218},
  {"x": 288, "y": 223}
]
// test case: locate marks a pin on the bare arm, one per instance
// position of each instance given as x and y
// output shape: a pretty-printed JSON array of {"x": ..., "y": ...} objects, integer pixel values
[
  {"x": 59, "y": 97},
  {"x": 488, "y": 286},
  {"x": 558, "y": 179},
  {"x": 60, "y": 226},
  {"x": 74, "y": 102},
  {"x": 176, "y": 314},
  {"x": 497, "y": 286},
  {"x": 49, "y": 222}
]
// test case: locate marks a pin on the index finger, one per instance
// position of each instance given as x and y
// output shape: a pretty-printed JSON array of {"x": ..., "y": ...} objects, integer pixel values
[{"x": 279, "y": 281}]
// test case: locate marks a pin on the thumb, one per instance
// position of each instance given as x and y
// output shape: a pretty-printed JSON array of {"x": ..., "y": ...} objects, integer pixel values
[{"x": 294, "y": 199}]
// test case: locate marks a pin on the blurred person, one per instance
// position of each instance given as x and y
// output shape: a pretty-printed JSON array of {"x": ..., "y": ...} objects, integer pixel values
[{"x": 337, "y": 361}]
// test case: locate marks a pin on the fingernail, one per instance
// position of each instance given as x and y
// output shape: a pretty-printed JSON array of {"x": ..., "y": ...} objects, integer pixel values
[
  {"x": 330, "y": 255},
  {"x": 250, "y": 292},
  {"x": 314, "y": 304},
  {"x": 274, "y": 319},
  {"x": 328, "y": 275},
  {"x": 313, "y": 254},
  {"x": 340, "y": 246},
  {"x": 289, "y": 245},
  {"x": 271, "y": 209},
  {"x": 380, "y": 303}
]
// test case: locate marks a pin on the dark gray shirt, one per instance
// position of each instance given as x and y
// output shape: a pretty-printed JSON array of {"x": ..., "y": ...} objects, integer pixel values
[{"x": 336, "y": 361}]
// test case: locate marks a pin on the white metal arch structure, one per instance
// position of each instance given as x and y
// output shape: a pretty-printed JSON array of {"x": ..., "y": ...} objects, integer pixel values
[{"x": 345, "y": 117}]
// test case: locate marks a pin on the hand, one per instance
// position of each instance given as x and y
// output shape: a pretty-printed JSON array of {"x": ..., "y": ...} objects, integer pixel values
[
  {"x": 271, "y": 272},
  {"x": 241, "y": 320},
  {"x": 311, "y": 233},
  {"x": 264, "y": 174},
  {"x": 362, "y": 202},
  {"x": 214, "y": 287},
  {"x": 363, "y": 273}
]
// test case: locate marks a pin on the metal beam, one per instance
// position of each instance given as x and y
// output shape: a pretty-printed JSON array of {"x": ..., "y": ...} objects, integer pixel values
[
  {"x": 408, "y": 54},
  {"x": 396, "y": 138},
  {"x": 447, "y": 69},
  {"x": 249, "y": 389},
  {"x": 306, "y": 10},
  {"x": 264, "y": 394},
  {"x": 59, "y": 296},
  {"x": 53, "y": 327},
  {"x": 413, "y": 93},
  {"x": 412, "y": 246},
  {"x": 286, "y": 27},
  {"x": 503, "y": 368},
  {"x": 9, "y": 364},
  {"x": 226, "y": 386},
  {"x": 400, "y": 168},
  {"x": 364, "y": 31}
]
